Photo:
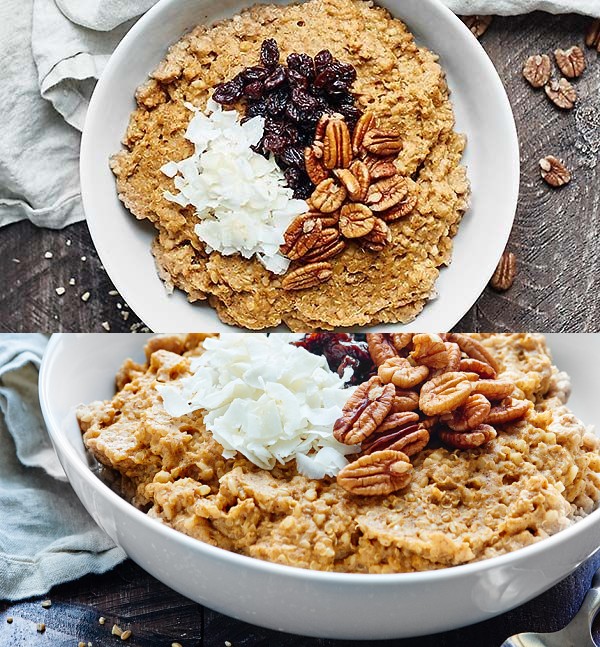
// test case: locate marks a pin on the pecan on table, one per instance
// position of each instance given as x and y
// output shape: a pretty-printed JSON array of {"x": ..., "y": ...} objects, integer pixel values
[
  {"x": 386, "y": 193},
  {"x": 328, "y": 196},
  {"x": 356, "y": 220},
  {"x": 537, "y": 70},
  {"x": 509, "y": 410},
  {"x": 468, "y": 439},
  {"x": 592, "y": 35},
  {"x": 400, "y": 372},
  {"x": 307, "y": 276},
  {"x": 429, "y": 349},
  {"x": 477, "y": 25},
  {"x": 401, "y": 432},
  {"x": 561, "y": 93},
  {"x": 376, "y": 474},
  {"x": 571, "y": 62},
  {"x": 483, "y": 369},
  {"x": 378, "y": 237},
  {"x": 301, "y": 236},
  {"x": 445, "y": 392},
  {"x": 493, "y": 389},
  {"x": 505, "y": 272},
  {"x": 365, "y": 123},
  {"x": 473, "y": 348},
  {"x": 382, "y": 142},
  {"x": 405, "y": 400},
  {"x": 337, "y": 147},
  {"x": 364, "y": 411},
  {"x": 469, "y": 415},
  {"x": 554, "y": 172}
]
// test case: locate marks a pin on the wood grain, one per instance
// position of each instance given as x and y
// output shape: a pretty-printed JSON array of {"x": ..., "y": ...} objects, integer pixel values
[{"x": 556, "y": 235}]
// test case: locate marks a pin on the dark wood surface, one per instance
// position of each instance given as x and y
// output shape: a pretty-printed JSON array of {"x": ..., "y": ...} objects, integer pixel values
[
  {"x": 157, "y": 617},
  {"x": 556, "y": 235}
]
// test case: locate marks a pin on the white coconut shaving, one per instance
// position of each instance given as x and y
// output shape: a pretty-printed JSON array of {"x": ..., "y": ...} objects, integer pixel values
[
  {"x": 266, "y": 399},
  {"x": 240, "y": 197}
]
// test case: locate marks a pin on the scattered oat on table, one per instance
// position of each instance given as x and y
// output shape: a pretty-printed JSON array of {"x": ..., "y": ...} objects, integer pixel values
[
  {"x": 116, "y": 630},
  {"x": 126, "y": 634},
  {"x": 48, "y": 255},
  {"x": 85, "y": 296},
  {"x": 41, "y": 627},
  {"x": 60, "y": 291},
  {"x": 106, "y": 326},
  {"x": 101, "y": 620},
  {"x": 9, "y": 620},
  {"x": 46, "y": 604}
]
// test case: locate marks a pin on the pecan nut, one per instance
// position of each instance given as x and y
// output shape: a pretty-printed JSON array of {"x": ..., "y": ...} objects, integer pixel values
[
  {"x": 445, "y": 392},
  {"x": 361, "y": 172},
  {"x": 337, "y": 148},
  {"x": 376, "y": 474},
  {"x": 429, "y": 349},
  {"x": 405, "y": 400},
  {"x": 307, "y": 276},
  {"x": 554, "y": 172},
  {"x": 328, "y": 196},
  {"x": 505, "y": 272},
  {"x": 537, "y": 70},
  {"x": 483, "y": 369},
  {"x": 493, "y": 389},
  {"x": 400, "y": 433},
  {"x": 387, "y": 193},
  {"x": 364, "y": 411},
  {"x": 592, "y": 35},
  {"x": 509, "y": 410},
  {"x": 301, "y": 236},
  {"x": 381, "y": 347},
  {"x": 378, "y": 237},
  {"x": 477, "y": 25},
  {"x": 401, "y": 373},
  {"x": 405, "y": 206},
  {"x": 468, "y": 439},
  {"x": 356, "y": 220},
  {"x": 561, "y": 93},
  {"x": 571, "y": 62},
  {"x": 380, "y": 168},
  {"x": 365, "y": 123},
  {"x": 325, "y": 249},
  {"x": 350, "y": 181},
  {"x": 471, "y": 414},
  {"x": 382, "y": 142},
  {"x": 473, "y": 348},
  {"x": 314, "y": 166},
  {"x": 454, "y": 357}
]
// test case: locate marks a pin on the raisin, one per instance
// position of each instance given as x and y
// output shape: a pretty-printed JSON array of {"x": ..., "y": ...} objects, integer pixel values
[
  {"x": 275, "y": 144},
  {"x": 257, "y": 109},
  {"x": 276, "y": 104},
  {"x": 254, "y": 90},
  {"x": 269, "y": 53},
  {"x": 252, "y": 74},
  {"x": 276, "y": 79},
  {"x": 228, "y": 92},
  {"x": 292, "y": 177},
  {"x": 296, "y": 79},
  {"x": 323, "y": 59},
  {"x": 303, "y": 100},
  {"x": 293, "y": 156},
  {"x": 303, "y": 64},
  {"x": 325, "y": 78}
]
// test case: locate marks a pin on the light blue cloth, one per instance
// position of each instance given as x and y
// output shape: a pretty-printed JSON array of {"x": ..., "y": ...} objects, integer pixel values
[{"x": 46, "y": 535}]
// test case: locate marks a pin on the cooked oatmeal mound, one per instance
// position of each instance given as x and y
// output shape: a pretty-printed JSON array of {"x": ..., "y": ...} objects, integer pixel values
[
  {"x": 401, "y": 83},
  {"x": 537, "y": 477}
]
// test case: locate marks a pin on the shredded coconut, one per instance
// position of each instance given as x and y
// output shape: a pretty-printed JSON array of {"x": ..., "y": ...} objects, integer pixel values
[
  {"x": 239, "y": 196},
  {"x": 267, "y": 399}
]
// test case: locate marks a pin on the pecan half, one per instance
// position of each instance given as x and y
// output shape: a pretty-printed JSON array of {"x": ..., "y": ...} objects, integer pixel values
[
  {"x": 365, "y": 123},
  {"x": 364, "y": 411},
  {"x": 380, "y": 168},
  {"x": 400, "y": 372},
  {"x": 483, "y": 369},
  {"x": 337, "y": 149},
  {"x": 350, "y": 181},
  {"x": 381, "y": 347},
  {"x": 378, "y": 237},
  {"x": 468, "y": 439},
  {"x": 328, "y": 196},
  {"x": 387, "y": 193},
  {"x": 400, "y": 433},
  {"x": 321, "y": 126},
  {"x": 445, "y": 392},
  {"x": 592, "y": 35},
  {"x": 554, "y": 172},
  {"x": 405, "y": 206},
  {"x": 376, "y": 474},
  {"x": 454, "y": 357},
  {"x": 571, "y": 62},
  {"x": 477, "y": 25},
  {"x": 301, "y": 236},
  {"x": 405, "y": 400},
  {"x": 537, "y": 70},
  {"x": 473, "y": 348},
  {"x": 429, "y": 349},
  {"x": 505, "y": 272},
  {"x": 327, "y": 247},
  {"x": 493, "y": 389},
  {"x": 401, "y": 340},
  {"x": 356, "y": 220},
  {"x": 314, "y": 166},
  {"x": 561, "y": 93},
  {"x": 469, "y": 415},
  {"x": 509, "y": 410},
  {"x": 361, "y": 172},
  {"x": 307, "y": 276},
  {"x": 382, "y": 142}
]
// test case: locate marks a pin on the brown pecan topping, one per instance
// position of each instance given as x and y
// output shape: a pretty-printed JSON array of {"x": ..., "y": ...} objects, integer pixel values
[
  {"x": 445, "y": 392},
  {"x": 327, "y": 247},
  {"x": 468, "y": 439},
  {"x": 429, "y": 422},
  {"x": 361, "y": 172},
  {"x": 328, "y": 196},
  {"x": 478, "y": 25},
  {"x": 387, "y": 193},
  {"x": 493, "y": 389},
  {"x": 350, "y": 181},
  {"x": 429, "y": 349},
  {"x": 314, "y": 166},
  {"x": 483, "y": 369},
  {"x": 454, "y": 357},
  {"x": 337, "y": 149},
  {"x": 473, "y": 348},
  {"x": 537, "y": 70},
  {"x": 376, "y": 474},
  {"x": 401, "y": 340},
  {"x": 405, "y": 206},
  {"x": 571, "y": 62},
  {"x": 356, "y": 220},
  {"x": 592, "y": 35},
  {"x": 400, "y": 432},
  {"x": 380, "y": 168},
  {"x": 381, "y": 347},
  {"x": 554, "y": 172},
  {"x": 364, "y": 411},
  {"x": 509, "y": 410},
  {"x": 469, "y": 415},
  {"x": 366, "y": 122},
  {"x": 561, "y": 93},
  {"x": 378, "y": 237},
  {"x": 405, "y": 400},
  {"x": 505, "y": 272},
  {"x": 382, "y": 142},
  {"x": 400, "y": 372},
  {"x": 307, "y": 276},
  {"x": 301, "y": 236},
  {"x": 321, "y": 126}
]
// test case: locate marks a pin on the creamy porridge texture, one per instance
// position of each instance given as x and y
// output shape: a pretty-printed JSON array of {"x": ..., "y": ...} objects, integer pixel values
[
  {"x": 401, "y": 83},
  {"x": 536, "y": 477}
]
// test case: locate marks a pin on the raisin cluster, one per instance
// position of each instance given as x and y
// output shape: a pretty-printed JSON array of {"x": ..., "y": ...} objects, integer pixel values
[
  {"x": 292, "y": 98},
  {"x": 342, "y": 350}
]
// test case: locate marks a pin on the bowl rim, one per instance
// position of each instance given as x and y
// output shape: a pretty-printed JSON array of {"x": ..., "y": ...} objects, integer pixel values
[
  {"x": 454, "y": 310},
  {"x": 65, "y": 449}
]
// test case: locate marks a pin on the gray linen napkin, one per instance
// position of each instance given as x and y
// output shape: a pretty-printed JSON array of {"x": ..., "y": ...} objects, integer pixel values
[
  {"x": 52, "y": 52},
  {"x": 46, "y": 535}
]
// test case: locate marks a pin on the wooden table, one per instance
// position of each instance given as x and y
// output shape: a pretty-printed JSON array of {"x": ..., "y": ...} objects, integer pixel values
[{"x": 556, "y": 235}]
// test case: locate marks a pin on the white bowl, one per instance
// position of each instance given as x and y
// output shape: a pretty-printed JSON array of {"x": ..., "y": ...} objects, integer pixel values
[
  {"x": 482, "y": 112},
  {"x": 80, "y": 368}
]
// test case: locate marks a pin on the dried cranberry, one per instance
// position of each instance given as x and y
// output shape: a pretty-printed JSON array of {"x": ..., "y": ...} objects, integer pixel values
[
  {"x": 269, "y": 53},
  {"x": 228, "y": 92}
]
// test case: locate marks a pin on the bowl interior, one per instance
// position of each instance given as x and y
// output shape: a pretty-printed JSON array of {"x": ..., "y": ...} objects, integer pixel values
[{"x": 482, "y": 112}]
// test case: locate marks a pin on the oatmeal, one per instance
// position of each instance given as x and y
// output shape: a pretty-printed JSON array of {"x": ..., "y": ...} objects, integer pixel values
[
  {"x": 538, "y": 475},
  {"x": 388, "y": 277}
]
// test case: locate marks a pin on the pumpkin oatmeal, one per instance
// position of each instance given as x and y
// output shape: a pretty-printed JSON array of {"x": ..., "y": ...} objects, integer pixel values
[
  {"x": 536, "y": 474},
  {"x": 343, "y": 280}
]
